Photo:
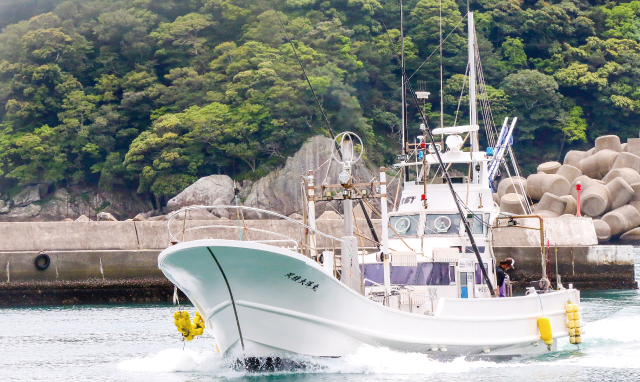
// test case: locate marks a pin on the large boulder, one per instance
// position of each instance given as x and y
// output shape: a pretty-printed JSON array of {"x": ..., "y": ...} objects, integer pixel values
[
  {"x": 608, "y": 142},
  {"x": 627, "y": 160},
  {"x": 539, "y": 184},
  {"x": 621, "y": 192},
  {"x": 572, "y": 205},
  {"x": 553, "y": 203},
  {"x": 603, "y": 231},
  {"x": 549, "y": 167},
  {"x": 27, "y": 196},
  {"x": 633, "y": 146},
  {"x": 628, "y": 174},
  {"x": 574, "y": 157},
  {"x": 596, "y": 166},
  {"x": 281, "y": 191},
  {"x": 22, "y": 213},
  {"x": 569, "y": 172},
  {"x": 513, "y": 204},
  {"x": 585, "y": 182},
  {"x": 105, "y": 217},
  {"x": 631, "y": 237},
  {"x": 595, "y": 200},
  {"x": 622, "y": 219},
  {"x": 204, "y": 192},
  {"x": 511, "y": 185}
]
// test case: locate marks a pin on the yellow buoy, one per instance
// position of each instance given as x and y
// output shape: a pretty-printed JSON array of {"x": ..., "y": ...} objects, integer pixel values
[
  {"x": 570, "y": 316},
  {"x": 576, "y": 316},
  {"x": 186, "y": 327},
  {"x": 575, "y": 308},
  {"x": 572, "y": 339},
  {"x": 569, "y": 308},
  {"x": 571, "y": 324},
  {"x": 544, "y": 325},
  {"x": 578, "y": 339}
]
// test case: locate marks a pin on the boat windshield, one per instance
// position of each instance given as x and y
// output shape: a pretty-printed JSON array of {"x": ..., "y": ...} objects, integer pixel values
[
  {"x": 406, "y": 225},
  {"x": 442, "y": 224}
]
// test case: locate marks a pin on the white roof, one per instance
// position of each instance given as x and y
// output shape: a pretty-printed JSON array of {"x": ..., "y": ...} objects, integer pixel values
[{"x": 455, "y": 129}]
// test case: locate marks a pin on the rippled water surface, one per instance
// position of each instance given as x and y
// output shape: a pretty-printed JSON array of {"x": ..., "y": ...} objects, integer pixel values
[{"x": 140, "y": 343}]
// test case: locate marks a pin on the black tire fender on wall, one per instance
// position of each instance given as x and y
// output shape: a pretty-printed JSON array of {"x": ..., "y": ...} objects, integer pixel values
[{"x": 42, "y": 261}]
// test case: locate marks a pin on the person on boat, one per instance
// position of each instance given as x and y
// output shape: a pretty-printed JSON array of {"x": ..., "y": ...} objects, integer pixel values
[{"x": 504, "y": 265}]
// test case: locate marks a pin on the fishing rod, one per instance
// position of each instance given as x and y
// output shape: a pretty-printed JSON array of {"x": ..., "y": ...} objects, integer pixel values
[{"x": 333, "y": 137}]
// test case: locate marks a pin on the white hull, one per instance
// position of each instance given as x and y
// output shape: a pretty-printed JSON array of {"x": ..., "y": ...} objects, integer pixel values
[{"x": 277, "y": 315}]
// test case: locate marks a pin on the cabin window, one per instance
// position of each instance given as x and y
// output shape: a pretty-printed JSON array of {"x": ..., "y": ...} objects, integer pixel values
[
  {"x": 442, "y": 224},
  {"x": 479, "y": 278},
  {"x": 406, "y": 225},
  {"x": 422, "y": 274},
  {"x": 477, "y": 224}
]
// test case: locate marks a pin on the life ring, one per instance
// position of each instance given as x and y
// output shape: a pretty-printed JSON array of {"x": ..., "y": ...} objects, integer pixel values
[{"x": 42, "y": 261}]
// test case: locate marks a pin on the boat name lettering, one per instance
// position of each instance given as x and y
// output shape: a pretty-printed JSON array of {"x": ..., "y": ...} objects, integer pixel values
[
  {"x": 408, "y": 199},
  {"x": 304, "y": 282}
]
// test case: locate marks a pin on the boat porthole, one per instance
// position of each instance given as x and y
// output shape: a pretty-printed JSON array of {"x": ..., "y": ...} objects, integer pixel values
[{"x": 42, "y": 261}]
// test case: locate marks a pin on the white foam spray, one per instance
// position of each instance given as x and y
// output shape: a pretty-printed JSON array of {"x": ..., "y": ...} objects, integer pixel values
[{"x": 613, "y": 342}]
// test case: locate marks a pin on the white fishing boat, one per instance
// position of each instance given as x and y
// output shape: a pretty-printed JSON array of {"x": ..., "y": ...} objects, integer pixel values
[{"x": 427, "y": 287}]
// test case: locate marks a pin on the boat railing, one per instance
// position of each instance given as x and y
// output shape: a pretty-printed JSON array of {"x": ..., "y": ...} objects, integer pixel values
[{"x": 301, "y": 244}]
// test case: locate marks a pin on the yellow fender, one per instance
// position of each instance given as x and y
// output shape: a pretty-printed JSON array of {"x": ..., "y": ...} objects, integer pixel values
[{"x": 544, "y": 326}]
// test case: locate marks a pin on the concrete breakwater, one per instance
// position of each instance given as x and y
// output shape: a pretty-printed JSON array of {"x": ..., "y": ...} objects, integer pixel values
[{"x": 105, "y": 256}]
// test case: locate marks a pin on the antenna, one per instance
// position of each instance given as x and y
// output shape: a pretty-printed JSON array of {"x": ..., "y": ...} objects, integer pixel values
[{"x": 404, "y": 121}]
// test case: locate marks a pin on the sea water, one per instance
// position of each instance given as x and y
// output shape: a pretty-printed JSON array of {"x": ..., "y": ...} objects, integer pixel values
[{"x": 140, "y": 343}]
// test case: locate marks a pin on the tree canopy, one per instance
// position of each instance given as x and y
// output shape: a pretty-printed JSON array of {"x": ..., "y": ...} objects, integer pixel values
[{"x": 151, "y": 94}]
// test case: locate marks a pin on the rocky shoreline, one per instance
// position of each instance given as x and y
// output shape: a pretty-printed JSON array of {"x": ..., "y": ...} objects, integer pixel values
[{"x": 279, "y": 191}]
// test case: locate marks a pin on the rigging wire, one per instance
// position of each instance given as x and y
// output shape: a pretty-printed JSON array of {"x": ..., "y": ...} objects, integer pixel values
[
  {"x": 464, "y": 82},
  {"x": 295, "y": 51},
  {"x": 426, "y": 60}
]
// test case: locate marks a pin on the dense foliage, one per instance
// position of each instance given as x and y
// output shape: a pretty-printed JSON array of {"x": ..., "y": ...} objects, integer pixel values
[{"x": 151, "y": 94}]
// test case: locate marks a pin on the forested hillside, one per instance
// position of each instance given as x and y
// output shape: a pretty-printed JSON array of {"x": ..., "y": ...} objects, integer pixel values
[{"x": 151, "y": 94}]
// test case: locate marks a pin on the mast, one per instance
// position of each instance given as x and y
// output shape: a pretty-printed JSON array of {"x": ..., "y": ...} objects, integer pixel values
[
  {"x": 404, "y": 111},
  {"x": 441, "y": 90},
  {"x": 456, "y": 200},
  {"x": 473, "y": 112}
]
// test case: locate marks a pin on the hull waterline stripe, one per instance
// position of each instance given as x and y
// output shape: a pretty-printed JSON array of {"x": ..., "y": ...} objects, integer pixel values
[{"x": 233, "y": 303}]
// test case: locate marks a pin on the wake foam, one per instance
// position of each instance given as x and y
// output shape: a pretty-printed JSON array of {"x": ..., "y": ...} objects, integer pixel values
[
  {"x": 613, "y": 342},
  {"x": 179, "y": 360}
]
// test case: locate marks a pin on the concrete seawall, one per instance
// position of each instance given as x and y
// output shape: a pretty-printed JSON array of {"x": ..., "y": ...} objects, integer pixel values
[{"x": 106, "y": 253}]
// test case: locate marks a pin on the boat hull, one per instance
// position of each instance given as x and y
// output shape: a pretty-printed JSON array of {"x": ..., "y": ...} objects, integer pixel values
[{"x": 264, "y": 301}]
